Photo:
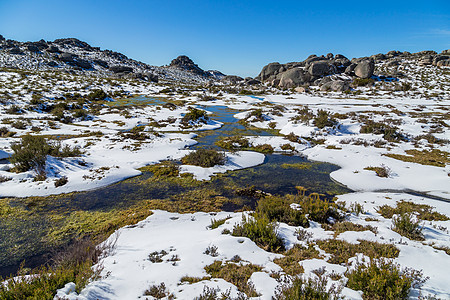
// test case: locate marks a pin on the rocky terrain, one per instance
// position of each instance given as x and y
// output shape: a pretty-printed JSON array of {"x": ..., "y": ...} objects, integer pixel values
[
  {"x": 168, "y": 161},
  {"x": 78, "y": 57}
]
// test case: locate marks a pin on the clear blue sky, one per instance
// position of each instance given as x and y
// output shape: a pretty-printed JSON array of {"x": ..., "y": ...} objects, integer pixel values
[{"x": 235, "y": 37}]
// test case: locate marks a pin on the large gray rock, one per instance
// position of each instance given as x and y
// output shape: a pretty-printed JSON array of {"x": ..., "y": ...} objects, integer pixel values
[
  {"x": 270, "y": 70},
  {"x": 15, "y": 50},
  {"x": 336, "y": 86},
  {"x": 426, "y": 60},
  {"x": 101, "y": 63},
  {"x": 365, "y": 69},
  {"x": 293, "y": 78},
  {"x": 443, "y": 63},
  {"x": 52, "y": 49},
  {"x": 1, "y": 38},
  {"x": 232, "y": 79},
  {"x": 350, "y": 69},
  {"x": 121, "y": 69},
  {"x": 32, "y": 48},
  {"x": 67, "y": 57},
  {"x": 438, "y": 58},
  {"x": 319, "y": 68},
  {"x": 84, "y": 64},
  {"x": 151, "y": 77},
  {"x": 446, "y": 52}
]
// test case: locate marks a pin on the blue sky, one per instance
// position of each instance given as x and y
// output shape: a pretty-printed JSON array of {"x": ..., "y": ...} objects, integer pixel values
[{"x": 235, "y": 37}]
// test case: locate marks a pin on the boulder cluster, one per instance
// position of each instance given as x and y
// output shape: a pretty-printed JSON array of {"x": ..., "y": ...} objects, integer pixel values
[
  {"x": 183, "y": 62},
  {"x": 314, "y": 71},
  {"x": 336, "y": 72}
]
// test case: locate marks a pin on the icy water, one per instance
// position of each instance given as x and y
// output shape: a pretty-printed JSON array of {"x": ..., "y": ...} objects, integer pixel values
[{"x": 271, "y": 177}]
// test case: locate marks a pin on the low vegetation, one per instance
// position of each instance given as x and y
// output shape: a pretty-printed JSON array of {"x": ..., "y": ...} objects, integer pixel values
[
  {"x": 405, "y": 224},
  {"x": 382, "y": 171},
  {"x": 422, "y": 211},
  {"x": 310, "y": 289},
  {"x": 341, "y": 251},
  {"x": 383, "y": 279},
  {"x": 261, "y": 231},
  {"x": 205, "y": 158},
  {"x": 235, "y": 273},
  {"x": 433, "y": 157},
  {"x": 290, "y": 262}
]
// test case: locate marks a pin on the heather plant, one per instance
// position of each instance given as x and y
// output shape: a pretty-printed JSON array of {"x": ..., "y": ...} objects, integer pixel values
[{"x": 205, "y": 158}]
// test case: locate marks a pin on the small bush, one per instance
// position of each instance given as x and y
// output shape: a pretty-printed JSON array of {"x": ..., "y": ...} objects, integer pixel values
[
  {"x": 205, "y": 158},
  {"x": 19, "y": 124},
  {"x": 165, "y": 169},
  {"x": 158, "y": 292},
  {"x": 290, "y": 262},
  {"x": 263, "y": 148},
  {"x": 257, "y": 115},
  {"x": 233, "y": 142},
  {"x": 194, "y": 115},
  {"x": 383, "y": 279},
  {"x": 30, "y": 153},
  {"x": 211, "y": 251},
  {"x": 97, "y": 95},
  {"x": 237, "y": 274},
  {"x": 4, "y": 178},
  {"x": 287, "y": 147},
  {"x": 216, "y": 223},
  {"x": 279, "y": 209},
  {"x": 390, "y": 133},
  {"x": 382, "y": 171},
  {"x": 405, "y": 225},
  {"x": 4, "y": 132},
  {"x": 61, "y": 181},
  {"x": 311, "y": 289},
  {"x": 323, "y": 119},
  {"x": 362, "y": 82},
  {"x": 342, "y": 251},
  {"x": 261, "y": 231},
  {"x": 423, "y": 211},
  {"x": 341, "y": 227},
  {"x": 156, "y": 257}
]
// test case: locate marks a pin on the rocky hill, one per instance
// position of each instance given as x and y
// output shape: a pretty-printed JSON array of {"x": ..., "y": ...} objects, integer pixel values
[
  {"x": 79, "y": 57},
  {"x": 336, "y": 72}
]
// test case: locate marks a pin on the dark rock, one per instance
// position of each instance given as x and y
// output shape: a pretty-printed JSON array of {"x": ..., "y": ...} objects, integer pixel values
[
  {"x": 185, "y": 63},
  {"x": 151, "y": 77},
  {"x": 84, "y": 64},
  {"x": 67, "y": 57},
  {"x": 2, "y": 38},
  {"x": 330, "y": 56},
  {"x": 426, "y": 60},
  {"x": 336, "y": 86},
  {"x": 232, "y": 79},
  {"x": 251, "y": 81},
  {"x": 32, "y": 48},
  {"x": 319, "y": 68},
  {"x": 215, "y": 74},
  {"x": 392, "y": 63},
  {"x": 446, "y": 52},
  {"x": 393, "y": 53},
  {"x": 270, "y": 70},
  {"x": 52, "y": 49},
  {"x": 52, "y": 63},
  {"x": 350, "y": 68},
  {"x": 115, "y": 55},
  {"x": 15, "y": 50},
  {"x": 293, "y": 78},
  {"x": 101, "y": 63},
  {"x": 73, "y": 43},
  {"x": 308, "y": 62},
  {"x": 365, "y": 69},
  {"x": 443, "y": 63},
  {"x": 121, "y": 69},
  {"x": 339, "y": 56}
]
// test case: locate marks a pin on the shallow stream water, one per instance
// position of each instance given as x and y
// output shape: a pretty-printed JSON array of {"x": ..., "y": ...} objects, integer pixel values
[{"x": 271, "y": 177}]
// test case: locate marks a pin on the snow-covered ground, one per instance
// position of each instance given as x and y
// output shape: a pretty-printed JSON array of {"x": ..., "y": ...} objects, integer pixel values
[{"x": 128, "y": 272}]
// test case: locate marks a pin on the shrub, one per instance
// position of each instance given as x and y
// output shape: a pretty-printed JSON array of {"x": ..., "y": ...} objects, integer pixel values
[
  {"x": 158, "y": 292},
  {"x": 237, "y": 274},
  {"x": 212, "y": 251},
  {"x": 319, "y": 210},
  {"x": 205, "y": 158},
  {"x": 156, "y": 257},
  {"x": 341, "y": 251},
  {"x": 61, "y": 181},
  {"x": 383, "y": 279},
  {"x": 214, "y": 294},
  {"x": 290, "y": 262},
  {"x": 233, "y": 142},
  {"x": 382, "y": 171},
  {"x": 279, "y": 209},
  {"x": 341, "y": 227},
  {"x": 4, "y": 132},
  {"x": 194, "y": 115},
  {"x": 19, "y": 124},
  {"x": 287, "y": 147},
  {"x": 311, "y": 289},
  {"x": 97, "y": 95},
  {"x": 390, "y": 133},
  {"x": 323, "y": 119},
  {"x": 4, "y": 178},
  {"x": 216, "y": 223},
  {"x": 165, "y": 169},
  {"x": 30, "y": 153},
  {"x": 405, "y": 225},
  {"x": 423, "y": 211},
  {"x": 263, "y": 148},
  {"x": 261, "y": 231},
  {"x": 362, "y": 82},
  {"x": 257, "y": 115}
]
